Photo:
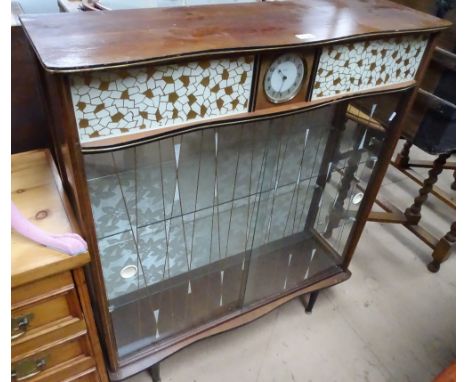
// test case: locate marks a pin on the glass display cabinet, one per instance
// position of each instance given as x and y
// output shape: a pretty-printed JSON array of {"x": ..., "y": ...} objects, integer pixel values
[{"x": 222, "y": 160}]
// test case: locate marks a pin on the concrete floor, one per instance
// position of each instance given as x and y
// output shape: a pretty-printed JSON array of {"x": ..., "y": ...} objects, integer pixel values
[{"x": 392, "y": 321}]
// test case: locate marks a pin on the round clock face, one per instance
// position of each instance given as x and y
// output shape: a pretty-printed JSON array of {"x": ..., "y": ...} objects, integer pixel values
[{"x": 284, "y": 78}]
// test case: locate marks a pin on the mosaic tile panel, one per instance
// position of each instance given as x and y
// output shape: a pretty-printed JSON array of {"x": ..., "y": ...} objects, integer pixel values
[
  {"x": 121, "y": 102},
  {"x": 364, "y": 65}
]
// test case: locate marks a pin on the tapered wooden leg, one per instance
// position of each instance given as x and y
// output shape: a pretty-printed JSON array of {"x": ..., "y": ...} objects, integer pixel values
[
  {"x": 402, "y": 159},
  {"x": 413, "y": 213},
  {"x": 442, "y": 249},
  {"x": 154, "y": 372},
  {"x": 311, "y": 303},
  {"x": 453, "y": 185}
]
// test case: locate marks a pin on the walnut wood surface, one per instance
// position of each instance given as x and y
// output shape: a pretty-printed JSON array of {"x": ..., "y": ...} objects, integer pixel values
[
  {"x": 71, "y": 168},
  {"x": 28, "y": 118},
  {"x": 86, "y": 40}
]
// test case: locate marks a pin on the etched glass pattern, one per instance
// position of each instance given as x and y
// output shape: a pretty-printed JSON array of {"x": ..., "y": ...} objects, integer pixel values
[{"x": 220, "y": 219}]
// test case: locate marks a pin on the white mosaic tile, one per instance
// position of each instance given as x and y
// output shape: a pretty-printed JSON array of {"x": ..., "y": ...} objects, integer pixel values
[
  {"x": 364, "y": 65},
  {"x": 117, "y": 102}
]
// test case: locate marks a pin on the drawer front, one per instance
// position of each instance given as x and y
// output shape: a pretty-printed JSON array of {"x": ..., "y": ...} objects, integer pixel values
[
  {"x": 87, "y": 376},
  {"x": 72, "y": 370},
  {"x": 68, "y": 329},
  {"x": 35, "y": 290},
  {"x": 32, "y": 366},
  {"x": 37, "y": 311}
]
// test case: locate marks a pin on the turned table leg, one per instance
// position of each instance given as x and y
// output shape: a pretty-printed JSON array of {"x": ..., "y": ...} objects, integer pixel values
[
  {"x": 453, "y": 185},
  {"x": 413, "y": 213},
  {"x": 337, "y": 211},
  {"x": 402, "y": 159},
  {"x": 312, "y": 298},
  {"x": 442, "y": 249},
  {"x": 154, "y": 373}
]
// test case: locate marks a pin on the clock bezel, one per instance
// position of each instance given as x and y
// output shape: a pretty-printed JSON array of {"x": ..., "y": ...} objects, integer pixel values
[{"x": 301, "y": 84}]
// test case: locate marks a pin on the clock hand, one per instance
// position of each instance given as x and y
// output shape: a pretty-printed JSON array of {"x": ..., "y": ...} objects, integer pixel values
[
  {"x": 283, "y": 76},
  {"x": 282, "y": 83}
]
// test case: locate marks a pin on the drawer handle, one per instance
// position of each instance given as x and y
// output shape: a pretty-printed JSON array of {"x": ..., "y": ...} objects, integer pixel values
[
  {"x": 28, "y": 368},
  {"x": 19, "y": 325}
]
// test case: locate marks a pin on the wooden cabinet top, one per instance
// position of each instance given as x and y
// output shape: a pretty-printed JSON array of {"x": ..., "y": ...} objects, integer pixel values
[
  {"x": 37, "y": 192},
  {"x": 94, "y": 40}
]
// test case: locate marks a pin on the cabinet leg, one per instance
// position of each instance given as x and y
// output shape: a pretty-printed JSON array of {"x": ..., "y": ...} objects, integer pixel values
[
  {"x": 311, "y": 303},
  {"x": 154, "y": 372}
]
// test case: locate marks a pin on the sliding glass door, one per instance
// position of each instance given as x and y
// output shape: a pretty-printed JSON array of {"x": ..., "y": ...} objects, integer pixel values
[{"x": 212, "y": 222}]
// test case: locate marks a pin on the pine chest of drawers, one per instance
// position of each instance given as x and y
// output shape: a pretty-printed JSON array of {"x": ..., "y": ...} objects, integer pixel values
[{"x": 53, "y": 334}]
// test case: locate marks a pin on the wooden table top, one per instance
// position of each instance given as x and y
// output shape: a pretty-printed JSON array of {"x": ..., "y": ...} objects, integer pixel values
[
  {"x": 94, "y": 40},
  {"x": 37, "y": 192}
]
